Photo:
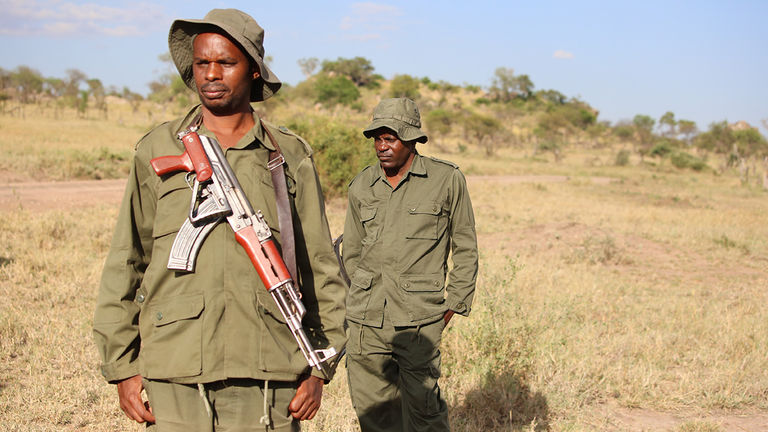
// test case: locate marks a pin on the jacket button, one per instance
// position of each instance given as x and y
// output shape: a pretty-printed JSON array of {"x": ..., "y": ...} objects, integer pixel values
[
  {"x": 407, "y": 285},
  {"x": 140, "y": 298},
  {"x": 437, "y": 283},
  {"x": 159, "y": 316}
]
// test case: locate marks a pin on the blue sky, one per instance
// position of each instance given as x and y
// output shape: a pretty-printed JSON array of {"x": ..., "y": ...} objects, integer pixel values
[{"x": 703, "y": 60}]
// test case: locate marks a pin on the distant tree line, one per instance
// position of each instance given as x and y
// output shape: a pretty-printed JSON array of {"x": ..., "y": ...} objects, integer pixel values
[{"x": 511, "y": 111}]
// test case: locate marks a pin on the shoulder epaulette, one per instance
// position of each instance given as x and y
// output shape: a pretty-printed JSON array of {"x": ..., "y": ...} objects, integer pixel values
[
  {"x": 360, "y": 174},
  {"x": 285, "y": 131},
  {"x": 135, "y": 147},
  {"x": 449, "y": 163}
]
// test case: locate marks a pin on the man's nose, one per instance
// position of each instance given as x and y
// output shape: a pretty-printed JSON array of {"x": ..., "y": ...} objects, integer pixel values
[{"x": 213, "y": 71}]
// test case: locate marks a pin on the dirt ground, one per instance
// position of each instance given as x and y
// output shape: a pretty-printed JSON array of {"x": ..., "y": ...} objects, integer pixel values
[{"x": 43, "y": 196}]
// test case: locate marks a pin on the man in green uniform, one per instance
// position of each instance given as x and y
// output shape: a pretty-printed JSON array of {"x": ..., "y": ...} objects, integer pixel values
[
  {"x": 406, "y": 216},
  {"x": 210, "y": 346}
]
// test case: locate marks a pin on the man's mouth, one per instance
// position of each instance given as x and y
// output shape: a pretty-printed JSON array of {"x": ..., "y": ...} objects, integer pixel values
[{"x": 213, "y": 91}]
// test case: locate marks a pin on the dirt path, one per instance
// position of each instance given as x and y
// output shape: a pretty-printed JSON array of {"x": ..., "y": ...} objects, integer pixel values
[{"x": 42, "y": 196}]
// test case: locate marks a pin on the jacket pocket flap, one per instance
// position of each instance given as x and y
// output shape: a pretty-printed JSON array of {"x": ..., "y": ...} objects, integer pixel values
[
  {"x": 177, "y": 309},
  {"x": 367, "y": 213},
  {"x": 428, "y": 207},
  {"x": 422, "y": 283},
  {"x": 171, "y": 184},
  {"x": 362, "y": 279}
]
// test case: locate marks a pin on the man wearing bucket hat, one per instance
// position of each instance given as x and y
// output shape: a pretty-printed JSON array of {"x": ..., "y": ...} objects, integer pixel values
[
  {"x": 405, "y": 217},
  {"x": 210, "y": 346}
]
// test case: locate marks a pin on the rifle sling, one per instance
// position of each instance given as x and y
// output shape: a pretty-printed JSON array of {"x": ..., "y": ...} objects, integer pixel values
[{"x": 285, "y": 219}]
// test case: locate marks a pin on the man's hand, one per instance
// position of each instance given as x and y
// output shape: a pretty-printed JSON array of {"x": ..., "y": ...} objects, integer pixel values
[
  {"x": 447, "y": 316},
  {"x": 306, "y": 403},
  {"x": 129, "y": 392}
]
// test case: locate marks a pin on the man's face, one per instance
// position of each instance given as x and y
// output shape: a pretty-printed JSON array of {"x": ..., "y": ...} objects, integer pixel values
[
  {"x": 223, "y": 74},
  {"x": 393, "y": 154}
]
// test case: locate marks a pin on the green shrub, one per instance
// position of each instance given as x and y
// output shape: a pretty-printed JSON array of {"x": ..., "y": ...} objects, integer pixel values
[
  {"x": 684, "y": 160},
  {"x": 340, "y": 151},
  {"x": 336, "y": 90},
  {"x": 661, "y": 149},
  {"x": 622, "y": 158},
  {"x": 404, "y": 86}
]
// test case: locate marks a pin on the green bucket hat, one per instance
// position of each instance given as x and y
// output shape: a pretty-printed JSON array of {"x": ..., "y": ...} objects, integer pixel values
[
  {"x": 241, "y": 28},
  {"x": 401, "y": 115}
]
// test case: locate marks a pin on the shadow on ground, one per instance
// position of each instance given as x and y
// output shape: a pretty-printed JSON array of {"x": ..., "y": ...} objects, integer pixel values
[{"x": 502, "y": 402}]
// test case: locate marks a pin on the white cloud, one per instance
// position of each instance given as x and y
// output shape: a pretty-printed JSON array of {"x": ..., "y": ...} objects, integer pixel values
[
  {"x": 562, "y": 54},
  {"x": 70, "y": 18},
  {"x": 367, "y": 16}
]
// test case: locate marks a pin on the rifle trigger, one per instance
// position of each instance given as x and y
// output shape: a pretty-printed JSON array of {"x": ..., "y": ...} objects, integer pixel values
[{"x": 188, "y": 177}]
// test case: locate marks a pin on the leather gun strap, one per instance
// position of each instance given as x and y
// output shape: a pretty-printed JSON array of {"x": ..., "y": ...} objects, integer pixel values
[{"x": 285, "y": 219}]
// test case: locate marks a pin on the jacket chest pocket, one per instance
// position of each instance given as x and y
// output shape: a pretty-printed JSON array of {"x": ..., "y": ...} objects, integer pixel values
[
  {"x": 369, "y": 222},
  {"x": 173, "y": 203},
  {"x": 423, "y": 220}
]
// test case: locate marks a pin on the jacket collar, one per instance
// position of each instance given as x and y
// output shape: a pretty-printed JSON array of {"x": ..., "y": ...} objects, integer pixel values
[
  {"x": 418, "y": 168},
  {"x": 255, "y": 134}
]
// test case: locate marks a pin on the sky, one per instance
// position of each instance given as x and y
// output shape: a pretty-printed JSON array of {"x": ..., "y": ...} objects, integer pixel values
[{"x": 705, "y": 61}]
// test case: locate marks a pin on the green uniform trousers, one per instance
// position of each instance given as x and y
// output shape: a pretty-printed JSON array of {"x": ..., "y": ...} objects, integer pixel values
[
  {"x": 393, "y": 373},
  {"x": 231, "y": 405}
]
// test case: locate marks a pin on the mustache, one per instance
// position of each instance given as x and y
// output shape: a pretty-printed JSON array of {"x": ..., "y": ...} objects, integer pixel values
[{"x": 214, "y": 87}]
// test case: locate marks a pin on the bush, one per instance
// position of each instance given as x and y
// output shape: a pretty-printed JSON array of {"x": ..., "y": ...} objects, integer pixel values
[
  {"x": 622, "y": 158},
  {"x": 684, "y": 160},
  {"x": 661, "y": 149},
  {"x": 404, "y": 86},
  {"x": 340, "y": 151},
  {"x": 336, "y": 90}
]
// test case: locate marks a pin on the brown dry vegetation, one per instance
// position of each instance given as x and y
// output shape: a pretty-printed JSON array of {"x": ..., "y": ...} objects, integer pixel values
[{"x": 629, "y": 304}]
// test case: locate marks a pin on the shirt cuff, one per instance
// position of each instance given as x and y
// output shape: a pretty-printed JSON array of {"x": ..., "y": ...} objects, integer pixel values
[
  {"x": 458, "y": 306},
  {"x": 116, "y": 372}
]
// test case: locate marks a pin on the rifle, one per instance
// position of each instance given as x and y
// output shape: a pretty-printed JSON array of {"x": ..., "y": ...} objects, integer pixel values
[{"x": 216, "y": 195}]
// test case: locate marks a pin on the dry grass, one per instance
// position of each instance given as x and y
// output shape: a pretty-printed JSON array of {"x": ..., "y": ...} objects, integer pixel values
[{"x": 645, "y": 292}]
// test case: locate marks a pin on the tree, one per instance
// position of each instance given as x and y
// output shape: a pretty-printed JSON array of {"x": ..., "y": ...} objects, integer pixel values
[
  {"x": 643, "y": 133},
  {"x": 505, "y": 86},
  {"x": 133, "y": 98},
  {"x": 404, "y": 86},
  {"x": 484, "y": 130},
  {"x": 551, "y": 130},
  {"x": 75, "y": 78},
  {"x": 27, "y": 82},
  {"x": 97, "y": 91},
  {"x": 307, "y": 65},
  {"x": 668, "y": 120},
  {"x": 359, "y": 70},
  {"x": 688, "y": 129},
  {"x": 718, "y": 138},
  {"x": 439, "y": 123},
  {"x": 333, "y": 90},
  {"x": 552, "y": 96}
]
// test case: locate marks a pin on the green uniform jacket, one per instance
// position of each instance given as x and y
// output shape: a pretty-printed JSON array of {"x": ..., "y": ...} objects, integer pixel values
[
  {"x": 397, "y": 242},
  {"x": 218, "y": 322}
]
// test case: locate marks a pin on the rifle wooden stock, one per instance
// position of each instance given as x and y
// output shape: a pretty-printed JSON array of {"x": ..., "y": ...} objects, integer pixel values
[{"x": 265, "y": 258}]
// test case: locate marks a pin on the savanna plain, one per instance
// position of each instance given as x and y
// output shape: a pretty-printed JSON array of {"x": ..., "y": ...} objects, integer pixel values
[{"x": 609, "y": 298}]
